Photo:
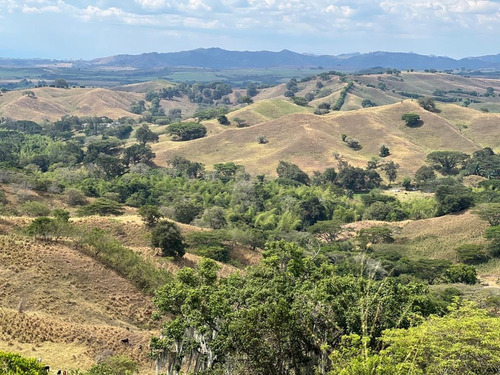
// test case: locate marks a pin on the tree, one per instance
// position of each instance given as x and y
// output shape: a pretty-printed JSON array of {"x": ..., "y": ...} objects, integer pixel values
[
  {"x": 61, "y": 83},
  {"x": 328, "y": 231},
  {"x": 366, "y": 103},
  {"x": 412, "y": 119},
  {"x": 167, "y": 236},
  {"x": 461, "y": 273},
  {"x": 291, "y": 171},
  {"x": 252, "y": 90},
  {"x": 138, "y": 153},
  {"x": 384, "y": 151},
  {"x": 424, "y": 173},
  {"x": 144, "y": 135},
  {"x": 447, "y": 162},
  {"x": 466, "y": 341},
  {"x": 391, "y": 171},
  {"x": 245, "y": 99},
  {"x": 223, "y": 120},
  {"x": 150, "y": 215},
  {"x": 185, "y": 131},
  {"x": 490, "y": 212},
  {"x": 299, "y": 100},
  {"x": 186, "y": 167},
  {"x": 427, "y": 103},
  {"x": 240, "y": 123},
  {"x": 42, "y": 227},
  {"x": 453, "y": 198},
  {"x": 138, "y": 107},
  {"x": 102, "y": 207},
  {"x": 471, "y": 254}
]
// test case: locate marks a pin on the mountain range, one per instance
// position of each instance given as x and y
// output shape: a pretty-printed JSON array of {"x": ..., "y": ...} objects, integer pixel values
[{"x": 217, "y": 58}]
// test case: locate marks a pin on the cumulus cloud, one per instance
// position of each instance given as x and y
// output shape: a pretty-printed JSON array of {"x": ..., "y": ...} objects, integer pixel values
[{"x": 153, "y": 4}]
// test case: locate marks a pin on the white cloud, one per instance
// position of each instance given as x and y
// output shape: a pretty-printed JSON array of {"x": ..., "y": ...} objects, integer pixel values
[
  {"x": 48, "y": 8},
  {"x": 153, "y": 4}
]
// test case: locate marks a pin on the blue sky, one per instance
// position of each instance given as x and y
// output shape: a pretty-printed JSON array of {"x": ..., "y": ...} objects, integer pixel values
[{"x": 74, "y": 29}]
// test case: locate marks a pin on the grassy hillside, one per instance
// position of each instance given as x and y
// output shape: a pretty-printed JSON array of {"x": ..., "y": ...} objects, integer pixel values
[
  {"x": 310, "y": 140},
  {"x": 50, "y": 104},
  {"x": 64, "y": 307}
]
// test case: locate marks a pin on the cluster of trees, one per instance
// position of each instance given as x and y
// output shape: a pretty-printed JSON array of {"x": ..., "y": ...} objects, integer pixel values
[{"x": 297, "y": 312}]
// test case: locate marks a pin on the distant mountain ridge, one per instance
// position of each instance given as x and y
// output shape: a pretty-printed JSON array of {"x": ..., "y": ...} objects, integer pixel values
[{"x": 217, "y": 58}]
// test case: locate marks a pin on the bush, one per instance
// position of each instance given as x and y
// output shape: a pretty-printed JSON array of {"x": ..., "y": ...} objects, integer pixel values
[
  {"x": 411, "y": 119},
  {"x": 13, "y": 364},
  {"x": 102, "y": 207},
  {"x": 75, "y": 197},
  {"x": 185, "y": 131},
  {"x": 471, "y": 254},
  {"x": 150, "y": 215},
  {"x": 167, "y": 236},
  {"x": 453, "y": 198},
  {"x": 461, "y": 273},
  {"x": 352, "y": 143},
  {"x": 33, "y": 208},
  {"x": 114, "y": 365}
]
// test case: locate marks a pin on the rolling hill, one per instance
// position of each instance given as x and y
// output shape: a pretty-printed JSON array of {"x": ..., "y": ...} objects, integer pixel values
[{"x": 311, "y": 141}]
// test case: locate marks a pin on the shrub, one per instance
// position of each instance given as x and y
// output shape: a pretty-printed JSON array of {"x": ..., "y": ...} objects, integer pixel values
[
  {"x": 384, "y": 151},
  {"x": 262, "y": 139},
  {"x": 461, "y": 273},
  {"x": 411, "y": 119},
  {"x": 46, "y": 228},
  {"x": 223, "y": 120},
  {"x": 366, "y": 103},
  {"x": 75, "y": 197},
  {"x": 12, "y": 364},
  {"x": 453, "y": 198},
  {"x": 114, "y": 365},
  {"x": 150, "y": 215},
  {"x": 102, "y": 207},
  {"x": 33, "y": 208},
  {"x": 185, "y": 131},
  {"x": 471, "y": 254},
  {"x": 352, "y": 143},
  {"x": 167, "y": 236}
]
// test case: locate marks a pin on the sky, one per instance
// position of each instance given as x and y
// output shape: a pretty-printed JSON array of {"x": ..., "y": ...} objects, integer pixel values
[{"x": 75, "y": 29}]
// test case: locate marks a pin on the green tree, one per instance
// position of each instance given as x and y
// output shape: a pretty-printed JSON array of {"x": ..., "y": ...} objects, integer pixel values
[
  {"x": 453, "y": 198},
  {"x": 490, "y": 212},
  {"x": 144, "y": 135},
  {"x": 185, "y": 131},
  {"x": 102, "y": 207},
  {"x": 466, "y": 341},
  {"x": 290, "y": 171},
  {"x": 384, "y": 151},
  {"x": 42, "y": 227},
  {"x": 61, "y": 83},
  {"x": 391, "y": 170},
  {"x": 427, "y": 103},
  {"x": 150, "y": 215},
  {"x": 412, "y": 119},
  {"x": 471, "y": 254},
  {"x": 167, "y": 236},
  {"x": 447, "y": 162},
  {"x": 424, "y": 173},
  {"x": 137, "y": 153}
]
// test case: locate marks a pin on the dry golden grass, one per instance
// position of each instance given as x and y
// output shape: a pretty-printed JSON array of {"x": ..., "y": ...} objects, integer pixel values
[
  {"x": 52, "y": 103},
  {"x": 437, "y": 238},
  {"x": 64, "y": 307},
  {"x": 310, "y": 141}
]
